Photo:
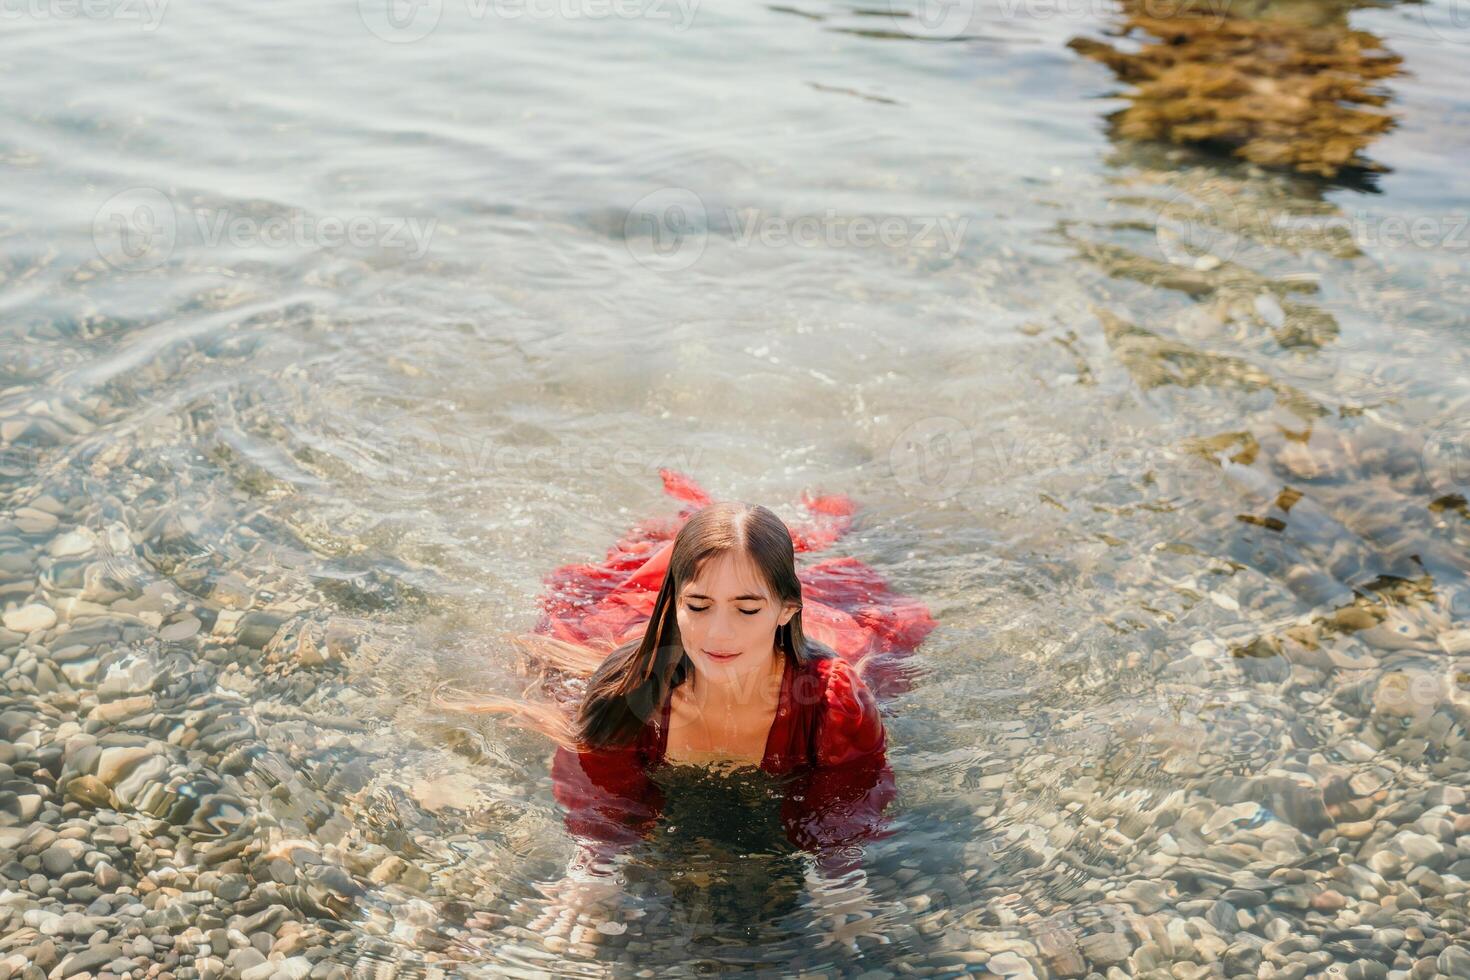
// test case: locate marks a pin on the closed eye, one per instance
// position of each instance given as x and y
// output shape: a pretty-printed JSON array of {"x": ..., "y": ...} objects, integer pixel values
[{"x": 748, "y": 612}]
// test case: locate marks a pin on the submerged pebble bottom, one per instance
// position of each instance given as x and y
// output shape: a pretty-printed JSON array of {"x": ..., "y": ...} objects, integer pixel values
[
  {"x": 1194, "y": 524},
  {"x": 1221, "y": 732}
]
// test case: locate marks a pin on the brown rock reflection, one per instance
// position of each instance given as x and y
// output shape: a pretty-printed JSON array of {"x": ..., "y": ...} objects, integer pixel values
[{"x": 1280, "y": 85}]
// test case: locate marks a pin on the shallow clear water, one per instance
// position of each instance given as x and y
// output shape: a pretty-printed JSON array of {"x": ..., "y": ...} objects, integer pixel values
[{"x": 367, "y": 333}]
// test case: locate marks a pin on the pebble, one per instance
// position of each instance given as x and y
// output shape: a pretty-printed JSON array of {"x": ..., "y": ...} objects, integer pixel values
[
  {"x": 241, "y": 960},
  {"x": 62, "y": 857},
  {"x": 90, "y": 959},
  {"x": 191, "y": 785},
  {"x": 30, "y": 618},
  {"x": 1454, "y": 961},
  {"x": 1419, "y": 849}
]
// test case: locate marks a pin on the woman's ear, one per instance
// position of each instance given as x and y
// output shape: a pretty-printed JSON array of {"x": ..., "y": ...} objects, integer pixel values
[{"x": 789, "y": 610}]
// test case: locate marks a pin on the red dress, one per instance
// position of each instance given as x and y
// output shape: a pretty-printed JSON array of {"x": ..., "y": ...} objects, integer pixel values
[{"x": 827, "y": 734}]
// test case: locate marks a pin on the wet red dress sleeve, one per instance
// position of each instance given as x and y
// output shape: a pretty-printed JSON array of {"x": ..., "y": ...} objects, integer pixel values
[
  {"x": 839, "y": 803},
  {"x": 609, "y": 800},
  {"x": 850, "y": 726}
]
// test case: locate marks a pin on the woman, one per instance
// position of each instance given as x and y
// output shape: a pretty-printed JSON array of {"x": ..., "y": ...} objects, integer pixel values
[
  {"x": 712, "y": 666},
  {"x": 725, "y": 676}
]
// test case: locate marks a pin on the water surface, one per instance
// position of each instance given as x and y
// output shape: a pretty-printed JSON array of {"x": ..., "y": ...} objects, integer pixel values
[{"x": 316, "y": 333}]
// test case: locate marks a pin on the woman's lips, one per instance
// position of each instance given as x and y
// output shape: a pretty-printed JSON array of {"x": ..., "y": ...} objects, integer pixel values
[{"x": 721, "y": 656}]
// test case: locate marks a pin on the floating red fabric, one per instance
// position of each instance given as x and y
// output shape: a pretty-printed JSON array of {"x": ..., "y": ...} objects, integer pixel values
[{"x": 846, "y": 604}]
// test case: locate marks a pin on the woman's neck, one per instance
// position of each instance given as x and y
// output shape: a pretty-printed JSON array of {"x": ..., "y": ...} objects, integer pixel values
[{"x": 708, "y": 694}]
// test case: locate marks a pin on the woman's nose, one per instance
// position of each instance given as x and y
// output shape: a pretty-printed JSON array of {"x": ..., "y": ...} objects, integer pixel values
[{"x": 723, "y": 628}]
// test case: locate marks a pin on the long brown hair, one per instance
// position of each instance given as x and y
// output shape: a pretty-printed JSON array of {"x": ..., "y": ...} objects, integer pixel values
[{"x": 630, "y": 684}]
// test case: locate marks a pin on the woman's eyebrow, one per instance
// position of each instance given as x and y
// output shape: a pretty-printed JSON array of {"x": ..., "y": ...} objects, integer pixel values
[{"x": 756, "y": 598}]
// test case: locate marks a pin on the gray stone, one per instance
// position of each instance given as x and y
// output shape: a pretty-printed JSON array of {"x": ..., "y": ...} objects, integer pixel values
[
  {"x": 1104, "y": 949},
  {"x": 266, "y": 920},
  {"x": 62, "y": 857},
  {"x": 241, "y": 960},
  {"x": 232, "y": 888},
  {"x": 1242, "y": 957},
  {"x": 1454, "y": 961},
  {"x": 1419, "y": 849},
  {"x": 89, "y": 959}
]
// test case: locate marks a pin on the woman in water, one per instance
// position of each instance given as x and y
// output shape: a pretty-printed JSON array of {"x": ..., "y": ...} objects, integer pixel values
[
  {"x": 725, "y": 676},
  {"x": 712, "y": 666}
]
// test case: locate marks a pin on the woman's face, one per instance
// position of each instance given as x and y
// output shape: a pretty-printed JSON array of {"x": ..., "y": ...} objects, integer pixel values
[{"x": 727, "y": 609}]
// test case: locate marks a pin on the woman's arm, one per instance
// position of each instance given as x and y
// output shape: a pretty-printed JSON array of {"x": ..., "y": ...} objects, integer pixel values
[
  {"x": 610, "y": 802},
  {"x": 839, "y": 804},
  {"x": 841, "y": 808},
  {"x": 610, "y": 805},
  {"x": 835, "y": 810}
]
